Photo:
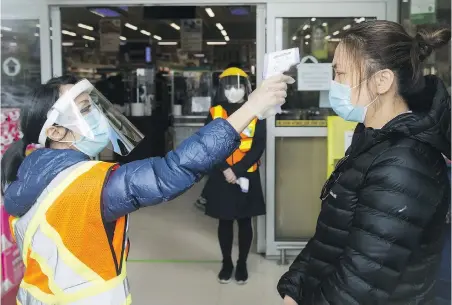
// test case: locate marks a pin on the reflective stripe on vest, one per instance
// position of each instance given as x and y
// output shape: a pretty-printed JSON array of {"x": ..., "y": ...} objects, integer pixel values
[
  {"x": 246, "y": 141},
  {"x": 65, "y": 247}
]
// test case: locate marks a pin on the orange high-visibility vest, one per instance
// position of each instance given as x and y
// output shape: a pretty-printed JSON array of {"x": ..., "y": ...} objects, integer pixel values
[
  {"x": 67, "y": 255},
  {"x": 246, "y": 140}
]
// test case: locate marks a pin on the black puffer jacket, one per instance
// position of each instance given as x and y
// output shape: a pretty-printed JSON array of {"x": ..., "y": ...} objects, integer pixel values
[{"x": 380, "y": 231}]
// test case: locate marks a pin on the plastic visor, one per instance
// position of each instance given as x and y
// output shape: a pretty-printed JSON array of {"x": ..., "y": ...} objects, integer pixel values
[
  {"x": 236, "y": 81},
  {"x": 72, "y": 111}
]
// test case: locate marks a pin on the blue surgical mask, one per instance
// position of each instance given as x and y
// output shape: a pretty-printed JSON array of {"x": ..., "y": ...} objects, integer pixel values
[
  {"x": 340, "y": 99},
  {"x": 100, "y": 128}
]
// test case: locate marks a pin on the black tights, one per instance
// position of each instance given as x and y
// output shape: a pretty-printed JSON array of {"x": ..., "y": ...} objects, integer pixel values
[{"x": 226, "y": 236}]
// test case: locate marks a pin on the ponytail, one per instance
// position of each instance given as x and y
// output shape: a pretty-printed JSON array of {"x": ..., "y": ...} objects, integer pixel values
[{"x": 11, "y": 161}]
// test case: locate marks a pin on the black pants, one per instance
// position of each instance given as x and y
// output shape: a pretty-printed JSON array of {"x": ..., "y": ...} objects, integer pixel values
[{"x": 226, "y": 236}]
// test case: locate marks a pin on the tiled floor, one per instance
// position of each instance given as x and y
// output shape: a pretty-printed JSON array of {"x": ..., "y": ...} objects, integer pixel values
[{"x": 166, "y": 238}]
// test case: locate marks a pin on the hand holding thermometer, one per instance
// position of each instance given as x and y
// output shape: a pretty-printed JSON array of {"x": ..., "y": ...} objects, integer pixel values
[{"x": 276, "y": 63}]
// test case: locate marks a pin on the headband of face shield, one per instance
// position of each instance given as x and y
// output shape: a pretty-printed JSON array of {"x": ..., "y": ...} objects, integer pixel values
[
  {"x": 83, "y": 110},
  {"x": 236, "y": 85}
]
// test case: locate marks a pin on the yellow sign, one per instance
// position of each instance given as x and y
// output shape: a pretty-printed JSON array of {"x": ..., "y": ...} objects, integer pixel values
[
  {"x": 301, "y": 123},
  {"x": 339, "y": 138}
]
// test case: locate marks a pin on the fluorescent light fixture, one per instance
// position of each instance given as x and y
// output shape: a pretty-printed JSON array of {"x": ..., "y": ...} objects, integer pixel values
[
  {"x": 210, "y": 12},
  {"x": 359, "y": 20},
  {"x": 157, "y": 37},
  {"x": 313, "y": 19},
  {"x": 145, "y": 33},
  {"x": 327, "y": 37},
  {"x": 88, "y": 37},
  {"x": 36, "y": 35},
  {"x": 122, "y": 38},
  {"x": 294, "y": 38},
  {"x": 13, "y": 44},
  {"x": 67, "y": 44},
  {"x": 306, "y": 43},
  {"x": 226, "y": 38},
  {"x": 175, "y": 26},
  {"x": 219, "y": 26},
  {"x": 5, "y": 28},
  {"x": 216, "y": 43},
  {"x": 306, "y": 26},
  {"x": 324, "y": 24},
  {"x": 131, "y": 26},
  {"x": 69, "y": 33},
  {"x": 346, "y": 27},
  {"x": 167, "y": 43},
  {"x": 335, "y": 39},
  {"x": 307, "y": 36},
  {"x": 224, "y": 33},
  {"x": 38, "y": 25},
  {"x": 199, "y": 55},
  {"x": 97, "y": 13},
  {"x": 86, "y": 27},
  {"x": 335, "y": 33}
]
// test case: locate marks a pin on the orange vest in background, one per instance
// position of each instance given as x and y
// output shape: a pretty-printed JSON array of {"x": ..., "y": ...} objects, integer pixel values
[
  {"x": 246, "y": 140},
  {"x": 68, "y": 256}
]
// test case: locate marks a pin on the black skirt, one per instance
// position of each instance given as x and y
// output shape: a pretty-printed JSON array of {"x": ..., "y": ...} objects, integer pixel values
[{"x": 227, "y": 201}]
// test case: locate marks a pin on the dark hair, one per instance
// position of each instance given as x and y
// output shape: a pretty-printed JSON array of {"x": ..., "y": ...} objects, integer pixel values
[
  {"x": 33, "y": 116},
  {"x": 384, "y": 44}
]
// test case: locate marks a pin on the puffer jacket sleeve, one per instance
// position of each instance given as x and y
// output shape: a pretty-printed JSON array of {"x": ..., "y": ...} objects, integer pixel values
[
  {"x": 387, "y": 228},
  {"x": 291, "y": 283},
  {"x": 155, "y": 180}
]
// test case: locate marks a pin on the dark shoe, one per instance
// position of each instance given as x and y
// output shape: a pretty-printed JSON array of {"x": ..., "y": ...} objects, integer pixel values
[
  {"x": 200, "y": 204},
  {"x": 241, "y": 274},
  {"x": 224, "y": 277}
]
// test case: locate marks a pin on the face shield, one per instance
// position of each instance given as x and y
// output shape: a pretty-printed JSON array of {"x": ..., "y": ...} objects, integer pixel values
[
  {"x": 84, "y": 111},
  {"x": 235, "y": 84}
]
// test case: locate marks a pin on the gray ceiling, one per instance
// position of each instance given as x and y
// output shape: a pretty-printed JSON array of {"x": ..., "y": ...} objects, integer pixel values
[{"x": 239, "y": 28}]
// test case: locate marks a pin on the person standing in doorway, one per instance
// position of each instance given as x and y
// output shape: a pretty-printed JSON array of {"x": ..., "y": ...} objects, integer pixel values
[{"x": 234, "y": 191}]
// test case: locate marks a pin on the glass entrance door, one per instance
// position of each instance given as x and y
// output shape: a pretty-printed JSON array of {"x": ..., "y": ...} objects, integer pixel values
[{"x": 296, "y": 139}]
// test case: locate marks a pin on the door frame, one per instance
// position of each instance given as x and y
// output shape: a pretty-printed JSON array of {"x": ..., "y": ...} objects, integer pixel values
[
  {"x": 276, "y": 12},
  {"x": 38, "y": 10}
]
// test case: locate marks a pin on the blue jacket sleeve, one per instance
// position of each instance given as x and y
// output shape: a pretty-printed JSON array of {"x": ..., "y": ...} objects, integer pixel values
[{"x": 155, "y": 180}]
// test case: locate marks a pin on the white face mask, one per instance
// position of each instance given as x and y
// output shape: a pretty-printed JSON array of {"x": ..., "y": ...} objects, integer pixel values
[{"x": 235, "y": 95}]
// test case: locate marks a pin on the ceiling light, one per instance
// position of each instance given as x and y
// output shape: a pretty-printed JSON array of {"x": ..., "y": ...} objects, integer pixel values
[
  {"x": 306, "y": 43},
  {"x": 335, "y": 39},
  {"x": 40, "y": 26},
  {"x": 327, "y": 37},
  {"x": 97, "y": 13},
  {"x": 36, "y": 34},
  {"x": 294, "y": 38},
  {"x": 313, "y": 19},
  {"x": 88, "y": 37},
  {"x": 219, "y": 26},
  {"x": 335, "y": 33},
  {"x": 216, "y": 43},
  {"x": 324, "y": 24},
  {"x": 307, "y": 36},
  {"x": 226, "y": 38},
  {"x": 306, "y": 26},
  {"x": 122, "y": 38},
  {"x": 68, "y": 33},
  {"x": 4, "y": 28},
  {"x": 175, "y": 26},
  {"x": 210, "y": 12},
  {"x": 131, "y": 26},
  {"x": 224, "y": 33},
  {"x": 157, "y": 37},
  {"x": 13, "y": 44},
  {"x": 199, "y": 55},
  {"x": 346, "y": 27},
  {"x": 167, "y": 43},
  {"x": 145, "y": 33},
  {"x": 67, "y": 44},
  {"x": 86, "y": 27},
  {"x": 359, "y": 20}
]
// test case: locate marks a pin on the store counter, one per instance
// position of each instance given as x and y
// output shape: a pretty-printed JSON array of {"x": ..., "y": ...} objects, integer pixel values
[{"x": 185, "y": 126}]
